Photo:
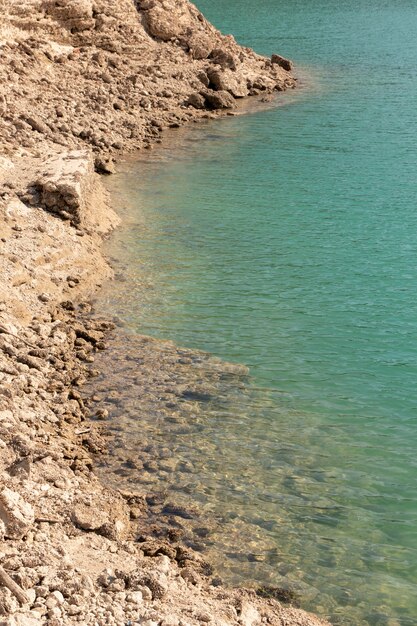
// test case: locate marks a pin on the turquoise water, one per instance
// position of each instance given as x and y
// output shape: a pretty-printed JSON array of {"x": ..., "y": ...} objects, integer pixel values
[{"x": 287, "y": 240}]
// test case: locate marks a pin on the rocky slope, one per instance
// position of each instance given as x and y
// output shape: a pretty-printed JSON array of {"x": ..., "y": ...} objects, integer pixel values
[
  {"x": 113, "y": 75},
  {"x": 80, "y": 82}
]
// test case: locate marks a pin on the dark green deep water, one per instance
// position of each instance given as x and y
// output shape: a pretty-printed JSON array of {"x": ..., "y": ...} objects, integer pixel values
[{"x": 287, "y": 240}]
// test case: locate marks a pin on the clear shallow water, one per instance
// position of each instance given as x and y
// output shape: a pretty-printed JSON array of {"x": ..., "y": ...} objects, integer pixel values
[{"x": 287, "y": 240}]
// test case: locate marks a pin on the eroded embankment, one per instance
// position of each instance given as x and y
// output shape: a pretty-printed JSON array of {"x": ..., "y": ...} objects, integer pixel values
[{"x": 81, "y": 81}]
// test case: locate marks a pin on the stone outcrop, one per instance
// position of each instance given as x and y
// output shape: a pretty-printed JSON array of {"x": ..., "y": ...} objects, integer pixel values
[
  {"x": 62, "y": 188},
  {"x": 48, "y": 257}
]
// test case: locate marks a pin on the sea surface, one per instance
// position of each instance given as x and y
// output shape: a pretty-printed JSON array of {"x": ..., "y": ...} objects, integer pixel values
[{"x": 286, "y": 240}]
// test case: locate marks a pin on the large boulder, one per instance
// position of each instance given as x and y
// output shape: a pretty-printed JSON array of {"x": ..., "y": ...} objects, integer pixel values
[
  {"x": 165, "y": 20},
  {"x": 200, "y": 46},
  {"x": 179, "y": 20},
  {"x": 227, "y": 80},
  {"x": 219, "y": 100},
  {"x": 197, "y": 101},
  {"x": 224, "y": 58}
]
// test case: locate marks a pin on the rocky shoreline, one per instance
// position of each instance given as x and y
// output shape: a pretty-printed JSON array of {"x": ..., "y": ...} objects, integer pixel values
[{"x": 83, "y": 81}]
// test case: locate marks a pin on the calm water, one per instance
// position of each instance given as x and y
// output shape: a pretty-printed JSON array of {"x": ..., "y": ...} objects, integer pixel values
[{"x": 287, "y": 240}]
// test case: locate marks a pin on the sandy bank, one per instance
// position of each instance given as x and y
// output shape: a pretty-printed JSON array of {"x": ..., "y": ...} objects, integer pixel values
[{"x": 80, "y": 82}]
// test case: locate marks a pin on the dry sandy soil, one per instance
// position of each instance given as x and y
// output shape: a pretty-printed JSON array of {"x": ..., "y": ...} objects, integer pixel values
[{"x": 82, "y": 81}]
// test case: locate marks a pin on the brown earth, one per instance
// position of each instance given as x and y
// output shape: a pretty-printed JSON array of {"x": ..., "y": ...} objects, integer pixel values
[{"x": 82, "y": 81}]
